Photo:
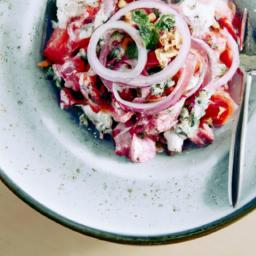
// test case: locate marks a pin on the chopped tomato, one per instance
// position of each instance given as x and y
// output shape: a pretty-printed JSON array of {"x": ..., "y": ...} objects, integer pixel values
[
  {"x": 219, "y": 110},
  {"x": 68, "y": 99},
  {"x": 127, "y": 94},
  {"x": 96, "y": 94},
  {"x": 225, "y": 23},
  {"x": 152, "y": 60},
  {"x": 153, "y": 98},
  {"x": 168, "y": 91},
  {"x": 79, "y": 64},
  {"x": 81, "y": 44},
  {"x": 226, "y": 57},
  {"x": 57, "y": 47},
  {"x": 92, "y": 11}
]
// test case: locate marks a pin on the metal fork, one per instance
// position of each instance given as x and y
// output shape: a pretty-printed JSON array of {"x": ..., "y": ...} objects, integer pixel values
[{"x": 248, "y": 63}]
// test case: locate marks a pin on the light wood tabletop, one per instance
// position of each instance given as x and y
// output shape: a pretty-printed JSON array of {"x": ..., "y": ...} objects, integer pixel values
[{"x": 24, "y": 232}]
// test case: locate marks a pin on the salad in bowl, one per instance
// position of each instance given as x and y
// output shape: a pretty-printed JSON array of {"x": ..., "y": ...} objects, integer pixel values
[{"x": 153, "y": 75}]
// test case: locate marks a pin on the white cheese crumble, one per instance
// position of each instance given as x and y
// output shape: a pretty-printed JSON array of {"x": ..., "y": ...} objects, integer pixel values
[
  {"x": 200, "y": 15},
  {"x": 158, "y": 89},
  {"x": 174, "y": 141},
  {"x": 102, "y": 120},
  {"x": 189, "y": 121},
  {"x": 72, "y": 8}
]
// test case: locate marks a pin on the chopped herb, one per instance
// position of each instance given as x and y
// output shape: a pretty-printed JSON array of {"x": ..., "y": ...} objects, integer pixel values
[
  {"x": 180, "y": 132},
  {"x": 142, "y": 135},
  {"x": 192, "y": 120},
  {"x": 157, "y": 13},
  {"x": 132, "y": 51},
  {"x": 83, "y": 120},
  {"x": 140, "y": 17},
  {"x": 158, "y": 89},
  {"x": 82, "y": 54},
  {"x": 147, "y": 30},
  {"x": 116, "y": 35},
  {"x": 51, "y": 75},
  {"x": 114, "y": 54},
  {"x": 166, "y": 22}
]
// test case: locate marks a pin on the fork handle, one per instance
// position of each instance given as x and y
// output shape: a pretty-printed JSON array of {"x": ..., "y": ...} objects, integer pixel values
[{"x": 237, "y": 150}]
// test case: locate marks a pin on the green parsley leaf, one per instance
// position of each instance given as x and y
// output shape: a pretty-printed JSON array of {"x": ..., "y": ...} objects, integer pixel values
[
  {"x": 140, "y": 17},
  {"x": 166, "y": 22},
  {"x": 147, "y": 30},
  {"x": 132, "y": 51}
]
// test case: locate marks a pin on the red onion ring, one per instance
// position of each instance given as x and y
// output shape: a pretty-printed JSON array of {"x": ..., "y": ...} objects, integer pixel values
[
  {"x": 101, "y": 70},
  {"x": 172, "y": 99},
  {"x": 215, "y": 84},
  {"x": 200, "y": 49},
  {"x": 109, "y": 7},
  {"x": 176, "y": 64}
]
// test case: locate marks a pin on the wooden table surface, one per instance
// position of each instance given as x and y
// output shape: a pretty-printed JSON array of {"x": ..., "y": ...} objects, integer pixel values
[{"x": 24, "y": 232}]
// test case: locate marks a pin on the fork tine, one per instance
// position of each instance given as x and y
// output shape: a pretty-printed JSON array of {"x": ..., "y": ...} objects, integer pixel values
[{"x": 243, "y": 29}]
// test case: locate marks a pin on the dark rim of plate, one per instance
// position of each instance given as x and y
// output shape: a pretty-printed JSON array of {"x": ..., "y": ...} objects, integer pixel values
[
  {"x": 119, "y": 238},
  {"x": 127, "y": 239}
]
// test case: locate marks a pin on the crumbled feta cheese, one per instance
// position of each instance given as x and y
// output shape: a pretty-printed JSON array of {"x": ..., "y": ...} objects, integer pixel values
[
  {"x": 219, "y": 70},
  {"x": 142, "y": 150},
  {"x": 72, "y": 8},
  {"x": 201, "y": 15},
  {"x": 201, "y": 104},
  {"x": 189, "y": 121},
  {"x": 158, "y": 89},
  {"x": 174, "y": 141},
  {"x": 102, "y": 120}
]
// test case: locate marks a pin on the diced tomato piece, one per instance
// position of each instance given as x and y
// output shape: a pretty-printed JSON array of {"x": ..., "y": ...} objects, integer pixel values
[
  {"x": 96, "y": 94},
  {"x": 152, "y": 60},
  {"x": 203, "y": 136},
  {"x": 168, "y": 91},
  {"x": 127, "y": 94},
  {"x": 226, "y": 57},
  {"x": 79, "y": 64},
  {"x": 225, "y": 23},
  {"x": 220, "y": 109},
  {"x": 92, "y": 11},
  {"x": 82, "y": 44},
  {"x": 57, "y": 47},
  {"x": 153, "y": 98},
  {"x": 67, "y": 99}
]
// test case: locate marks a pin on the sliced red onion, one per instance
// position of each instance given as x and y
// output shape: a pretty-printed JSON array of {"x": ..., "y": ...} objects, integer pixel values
[
  {"x": 109, "y": 7},
  {"x": 170, "y": 100},
  {"x": 176, "y": 64},
  {"x": 216, "y": 83},
  {"x": 200, "y": 50},
  {"x": 108, "y": 74}
]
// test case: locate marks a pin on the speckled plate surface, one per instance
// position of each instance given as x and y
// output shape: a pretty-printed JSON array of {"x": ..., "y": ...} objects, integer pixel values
[{"x": 72, "y": 177}]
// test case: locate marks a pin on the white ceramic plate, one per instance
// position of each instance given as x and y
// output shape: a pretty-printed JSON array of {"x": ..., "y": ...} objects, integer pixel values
[{"x": 74, "y": 178}]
